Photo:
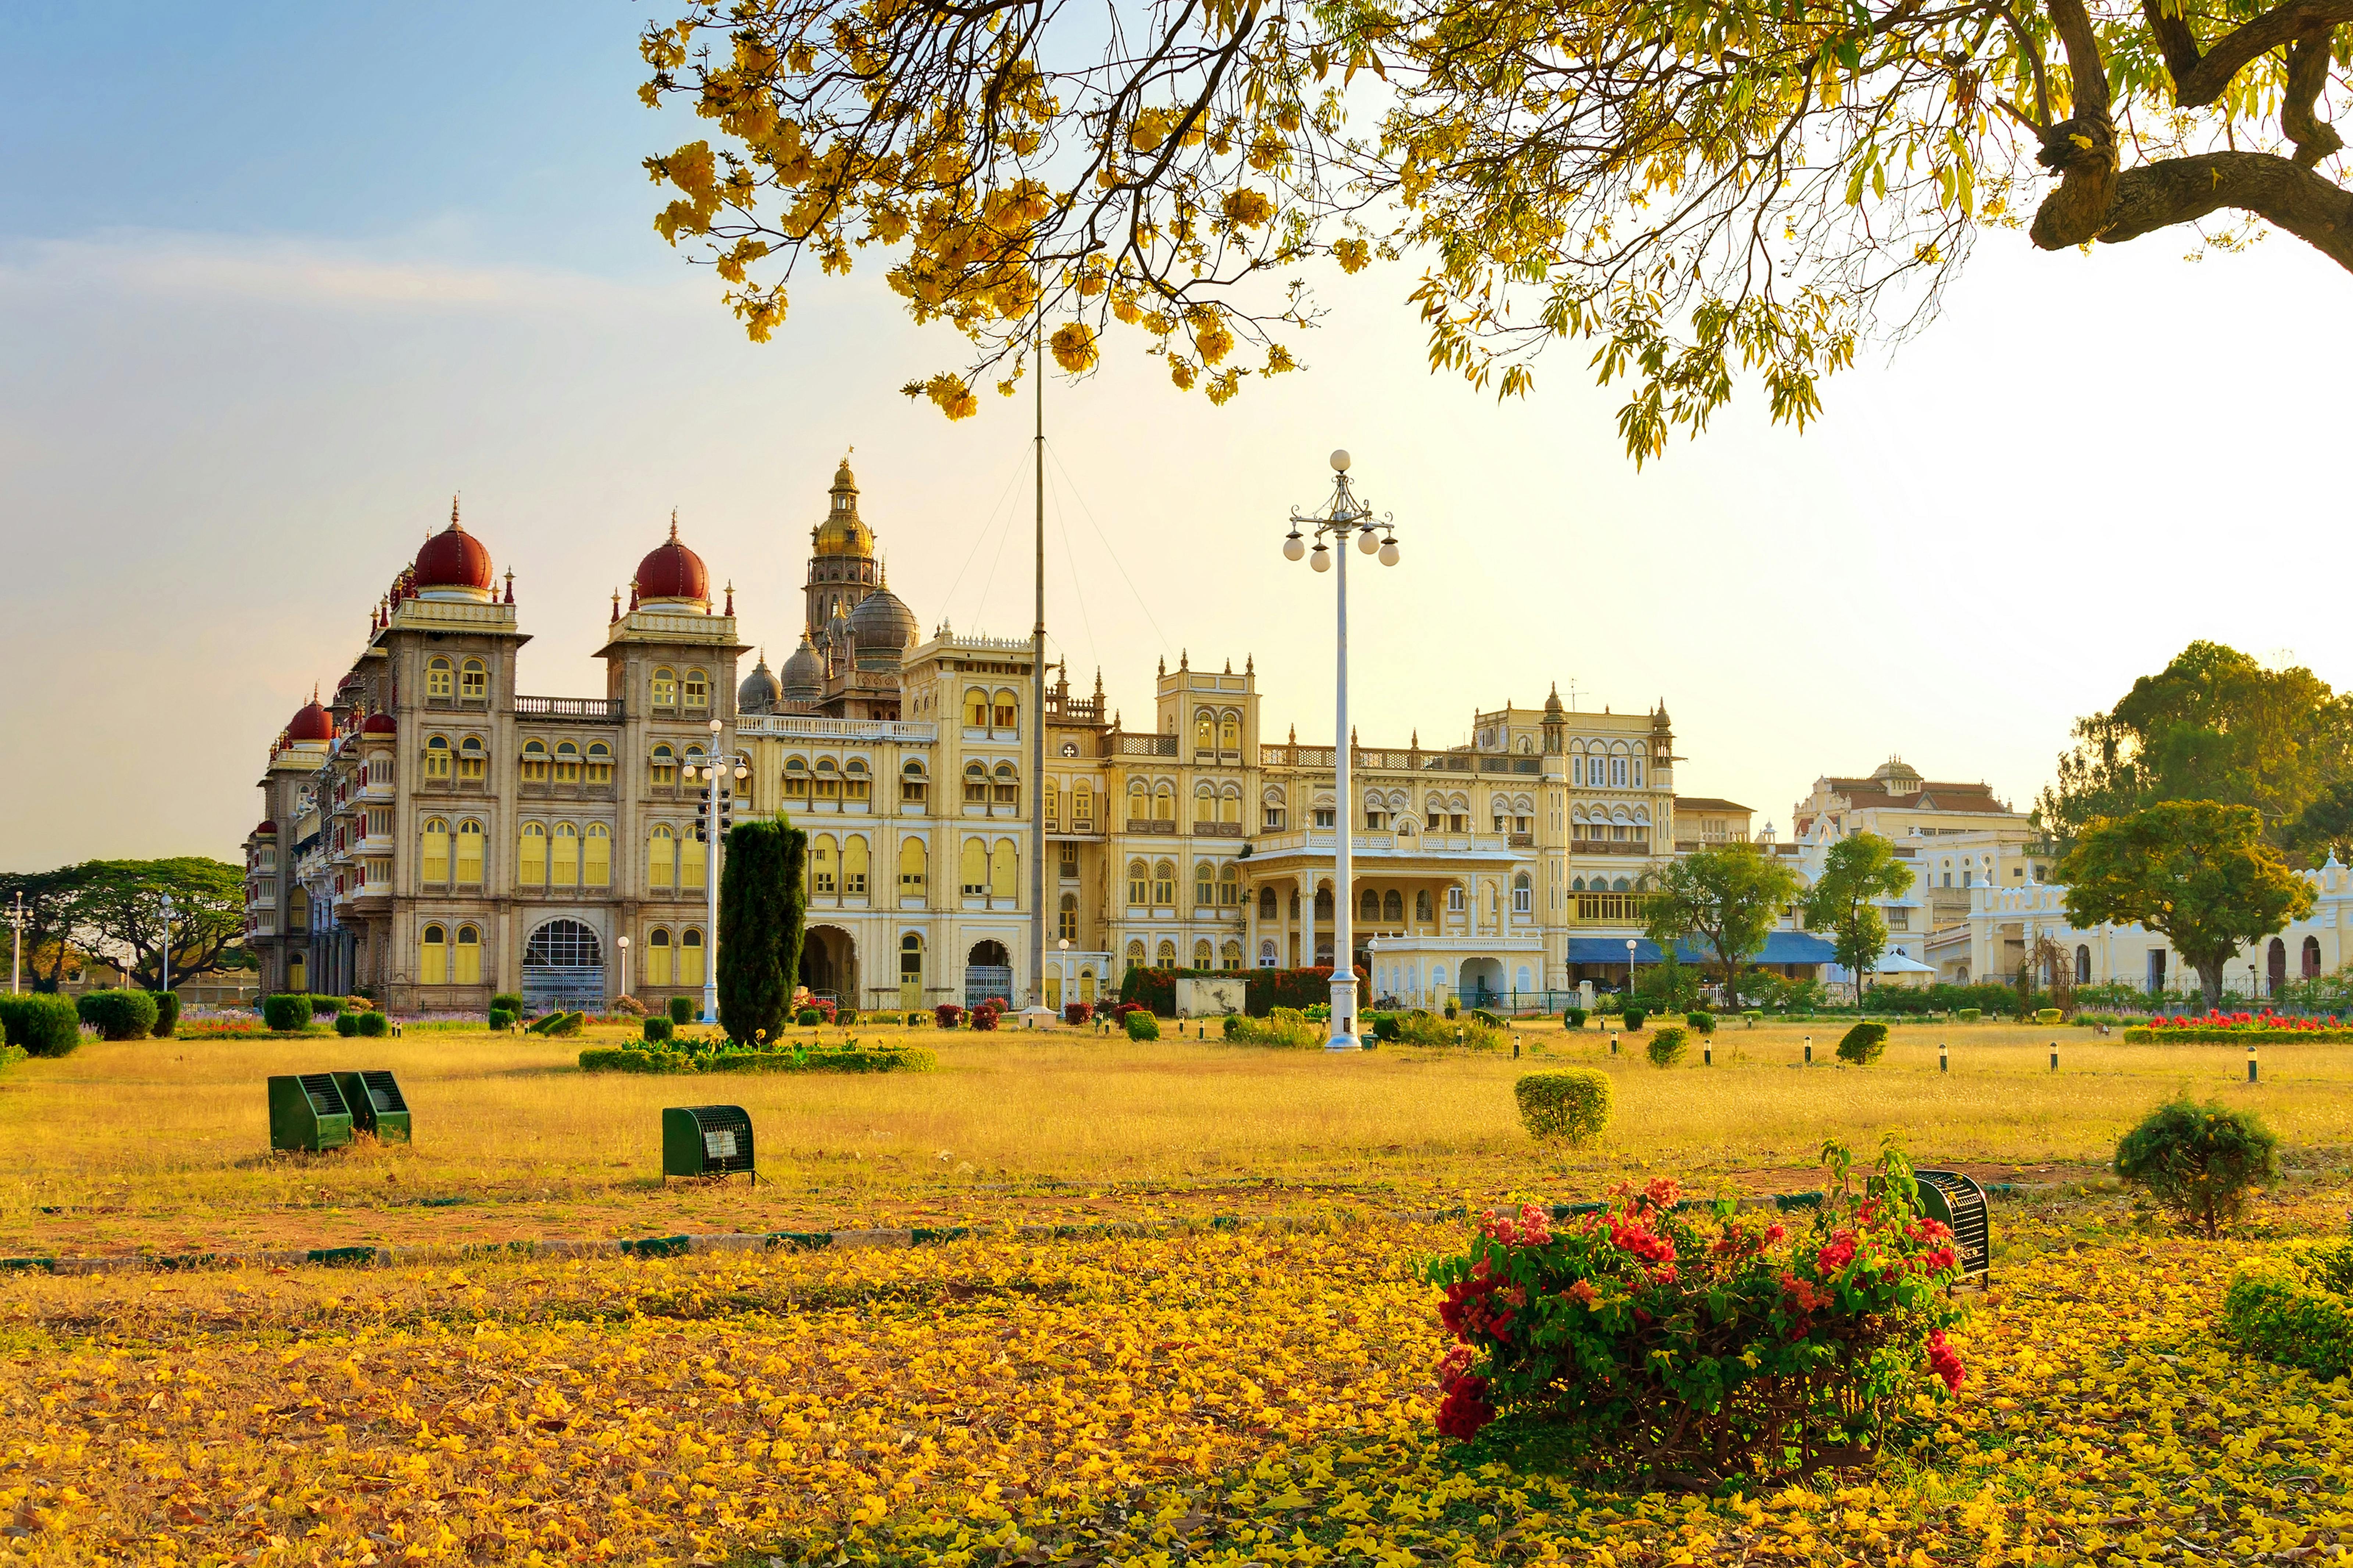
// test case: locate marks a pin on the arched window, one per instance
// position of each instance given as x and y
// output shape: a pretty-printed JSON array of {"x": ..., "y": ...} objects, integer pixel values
[
  {"x": 972, "y": 868},
  {"x": 1621, "y": 886},
  {"x": 1008, "y": 788},
  {"x": 471, "y": 757},
  {"x": 474, "y": 681},
  {"x": 437, "y": 682},
  {"x": 1006, "y": 710},
  {"x": 1393, "y": 908},
  {"x": 693, "y": 863},
  {"x": 1135, "y": 955},
  {"x": 665, "y": 765},
  {"x": 975, "y": 709},
  {"x": 1139, "y": 801},
  {"x": 1205, "y": 885},
  {"x": 857, "y": 784},
  {"x": 1230, "y": 956},
  {"x": 1202, "y": 956},
  {"x": 1229, "y": 886},
  {"x": 913, "y": 789},
  {"x": 535, "y": 762},
  {"x": 1229, "y": 806},
  {"x": 1266, "y": 955},
  {"x": 2310, "y": 965},
  {"x": 910, "y": 959},
  {"x": 1422, "y": 904},
  {"x": 466, "y": 966},
  {"x": 797, "y": 781},
  {"x": 1164, "y": 803},
  {"x": 1139, "y": 888},
  {"x": 829, "y": 784},
  {"x": 597, "y": 856},
  {"x": 433, "y": 950},
  {"x": 600, "y": 762},
  {"x": 1204, "y": 802},
  {"x": 1524, "y": 895},
  {"x": 298, "y": 910},
  {"x": 690, "y": 956},
  {"x": 697, "y": 689},
  {"x": 658, "y": 957},
  {"x": 1053, "y": 805},
  {"x": 822, "y": 869},
  {"x": 564, "y": 864},
  {"x": 1003, "y": 870},
  {"x": 661, "y": 857},
  {"x": 531, "y": 868},
  {"x": 1066, "y": 924},
  {"x": 854, "y": 867},
  {"x": 469, "y": 854},
  {"x": 437, "y": 756},
  {"x": 435, "y": 851},
  {"x": 1322, "y": 903},
  {"x": 976, "y": 784},
  {"x": 1454, "y": 902},
  {"x": 1164, "y": 884},
  {"x": 1230, "y": 736},
  {"x": 1205, "y": 731},
  {"x": 567, "y": 762},
  {"x": 1165, "y": 955},
  {"x": 2082, "y": 966},
  {"x": 1266, "y": 903},
  {"x": 913, "y": 867},
  {"x": 1368, "y": 906},
  {"x": 665, "y": 687}
]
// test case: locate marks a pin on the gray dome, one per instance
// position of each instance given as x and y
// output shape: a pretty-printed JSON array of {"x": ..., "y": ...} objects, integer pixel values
[
  {"x": 803, "y": 673},
  {"x": 881, "y": 622},
  {"x": 759, "y": 693}
]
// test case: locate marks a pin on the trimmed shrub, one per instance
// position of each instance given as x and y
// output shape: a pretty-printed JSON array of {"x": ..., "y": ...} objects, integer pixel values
[
  {"x": 118, "y": 1015},
  {"x": 1285, "y": 1026},
  {"x": 1667, "y": 1047},
  {"x": 629, "y": 1005},
  {"x": 845, "y": 1017},
  {"x": 2200, "y": 1161},
  {"x": 760, "y": 921},
  {"x": 1573, "y": 1017},
  {"x": 681, "y": 1009},
  {"x": 1570, "y": 1107},
  {"x": 1969, "y": 1014},
  {"x": 947, "y": 1016},
  {"x": 39, "y": 1024},
  {"x": 1483, "y": 1016},
  {"x": 347, "y": 1024},
  {"x": 326, "y": 1006},
  {"x": 508, "y": 1002},
  {"x": 1140, "y": 1025},
  {"x": 658, "y": 1030},
  {"x": 1077, "y": 1012},
  {"x": 501, "y": 1019},
  {"x": 917, "y": 1020},
  {"x": 1634, "y": 1018},
  {"x": 559, "y": 1023},
  {"x": 1863, "y": 1044},
  {"x": 984, "y": 1016},
  {"x": 167, "y": 1012},
  {"x": 2048, "y": 1014},
  {"x": 1450, "y": 1006},
  {"x": 286, "y": 1013},
  {"x": 1701, "y": 1022},
  {"x": 2296, "y": 1307},
  {"x": 1385, "y": 1026},
  {"x": 809, "y": 1017},
  {"x": 374, "y": 1024}
]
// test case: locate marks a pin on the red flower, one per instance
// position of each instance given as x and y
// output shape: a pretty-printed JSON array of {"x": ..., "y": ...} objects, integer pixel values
[
  {"x": 1945, "y": 1361},
  {"x": 1838, "y": 1254},
  {"x": 1466, "y": 1408}
]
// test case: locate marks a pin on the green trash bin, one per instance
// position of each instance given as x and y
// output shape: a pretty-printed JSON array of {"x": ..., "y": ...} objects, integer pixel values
[
  {"x": 376, "y": 1104},
  {"x": 308, "y": 1111},
  {"x": 707, "y": 1141}
]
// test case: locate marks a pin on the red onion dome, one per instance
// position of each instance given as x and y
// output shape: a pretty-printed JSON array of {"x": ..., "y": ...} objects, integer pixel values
[
  {"x": 452, "y": 559},
  {"x": 266, "y": 830},
  {"x": 671, "y": 571},
  {"x": 379, "y": 724},
  {"x": 312, "y": 723}
]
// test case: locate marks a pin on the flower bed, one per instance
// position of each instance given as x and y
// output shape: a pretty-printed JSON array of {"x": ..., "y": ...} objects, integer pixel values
[
  {"x": 2234, "y": 1028},
  {"x": 1642, "y": 1346},
  {"x": 850, "y": 1057}
]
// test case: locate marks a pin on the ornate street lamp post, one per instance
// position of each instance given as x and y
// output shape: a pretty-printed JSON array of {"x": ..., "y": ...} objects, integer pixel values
[
  {"x": 713, "y": 772},
  {"x": 1343, "y": 517}
]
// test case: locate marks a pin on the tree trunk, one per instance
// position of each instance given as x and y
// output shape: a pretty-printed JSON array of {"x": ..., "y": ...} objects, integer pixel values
[{"x": 2210, "y": 980}]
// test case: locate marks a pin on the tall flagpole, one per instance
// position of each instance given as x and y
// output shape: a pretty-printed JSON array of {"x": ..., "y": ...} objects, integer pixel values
[{"x": 1037, "y": 689}]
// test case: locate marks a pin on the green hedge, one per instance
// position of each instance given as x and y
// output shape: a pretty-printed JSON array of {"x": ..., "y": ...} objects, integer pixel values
[
  {"x": 347, "y": 1024},
  {"x": 658, "y": 1030},
  {"x": 1701, "y": 1022},
  {"x": 287, "y": 1013},
  {"x": 40, "y": 1024},
  {"x": 1863, "y": 1044},
  {"x": 501, "y": 1018},
  {"x": 1140, "y": 1025},
  {"x": 2296, "y": 1307},
  {"x": 2141, "y": 1034},
  {"x": 167, "y": 1012},
  {"x": 682, "y": 1010},
  {"x": 851, "y": 1058},
  {"x": 374, "y": 1024},
  {"x": 118, "y": 1015},
  {"x": 1571, "y": 1107}
]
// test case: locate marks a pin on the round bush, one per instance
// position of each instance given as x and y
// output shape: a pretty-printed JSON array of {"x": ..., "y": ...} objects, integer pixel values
[
  {"x": 1573, "y": 1017},
  {"x": 1570, "y": 1107},
  {"x": 682, "y": 1010},
  {"x": 2200, "y": 1161},
  {"x": 807, "y": 1017},
  {"x": 2296, "y": 1307},
  {"x": 845, "y": 1017},
  {"x": 1667, "y": 1048},
  {"x": 660, "y": 1029},
  {"x": 1140, "y": 1025},
  {"x": 167, "y": 1012},
  {"x": 1634, "y": 1017},
  {"x": 509, "y": 1002},
  {"x": 347, "y": 1024},
  {"x": 287, "y": 1012},
  {"x": 118, "y": 1015},
  {"x": 1701, "y": 1022},
  {"x": 1969, "y": 1014},
  {"x": 1863, "y": 1044},
  {"x": 984, "y": 1016},
  {"x": 2047, "y": 1015},
  {"x": 501, "y": 1019},
  {"x": 374, "y": 1024},
  {"x": 44, "y": 1024}
]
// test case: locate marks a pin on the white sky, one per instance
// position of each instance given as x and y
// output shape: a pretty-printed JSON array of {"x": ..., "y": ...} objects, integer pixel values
[{"x": 243, "y": 375}]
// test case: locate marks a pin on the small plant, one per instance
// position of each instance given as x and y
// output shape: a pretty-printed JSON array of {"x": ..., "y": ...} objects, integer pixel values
[
  {"x": 1969, "y": 1014},
  {"x": 118, "y": 1015},
  {"x": 1494, "y": 1020},
  {"x": 325, "y": 1006},
  {"x": 844, "y": 1017},
  {"x": 347, "y": 1024},
  {"x": 1570, "y": 1107},
  {"x": 1667, "y": 1048},
  {"x": 1700, "y": 1023},
  {"x": 809, "y": 1017},
  {"x": 374, "y": 1024},
  {"x": 984, "y": 1016},
  {"x": 1285, "y": 1026},
  {"x": 1863, "y": 1044},
  {"x": 1140, "y": 1025},
  {"x": 287, "y": 1013},
  {"x": 629, "y": 1007},
  {"x": 508, "y": 1002},
  {"x": 1450, "y": 1006},
  {"x": 1634, "y": 1018},
  {"x": 1573, "y": 1017},
  {"x": 40, "y": 1024},
  {"x": 501, "y": 1020},
  {"x": 947, "y": 1014},
  {"x": 682, "y": 1010},
  {"x": 917, "y": 1020},
  {"x": 2200, "y": 1161},
  {"x": 1386, "y": 1026},
  {"x": 2296, "y": 1307},
  {"x": 1077, "y": 1012},
  {"x": 658, "y": 1030},
  {"x": 2048, "y": 1014},
  {"x": 167, "y": 1012}
]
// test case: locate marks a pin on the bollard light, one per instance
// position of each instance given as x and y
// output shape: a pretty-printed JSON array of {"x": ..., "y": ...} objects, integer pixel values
[
  {"x": 1810, "y": 1050},
  {"x": 2251, "y": 1062},
  {"x": 1706, "y": 1054},
  {"x": 1944, "y": 1062},
  {"x": 2054, "y": 1056}
]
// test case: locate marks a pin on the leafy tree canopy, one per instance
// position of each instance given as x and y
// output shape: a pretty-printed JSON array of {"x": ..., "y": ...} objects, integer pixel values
[
  {"x": 113, "y": 909},
  {"x": 2213, "y": 725},
  {"x": 1698, "y": 191},
  {"x": 1859, "y": 871},
  {"x": 2199, "y": 872},
  {"x": 1727, "y": 897}
]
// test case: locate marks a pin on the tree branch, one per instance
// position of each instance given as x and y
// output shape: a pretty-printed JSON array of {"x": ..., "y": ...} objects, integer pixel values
[
  {"x": 2199, "y": 79},
  {"x": 2183, "y": 190},
  {"x": 2307, "y": 75},
  {"x": 2082, "y": 148}
]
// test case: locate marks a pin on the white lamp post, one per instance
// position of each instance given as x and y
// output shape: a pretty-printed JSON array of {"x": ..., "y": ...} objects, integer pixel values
[
  {"x": 713, "y": 772},
  {"x": 1629, "y": 968},
  {"x": 167, "y": 941},
  {"x": 16, "y": 953},
  {"x": 625, "y": 965},
  {"x": 1343, "y": 517}
]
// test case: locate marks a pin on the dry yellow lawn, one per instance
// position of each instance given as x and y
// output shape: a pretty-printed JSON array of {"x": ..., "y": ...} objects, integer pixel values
[{"x": 164, "y": 1143}]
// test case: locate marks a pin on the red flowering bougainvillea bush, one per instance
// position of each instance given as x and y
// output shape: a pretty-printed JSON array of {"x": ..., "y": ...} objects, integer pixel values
[
  {"x": 1698, "y": 1347},
  {"x": 2257, "y": 1029}
]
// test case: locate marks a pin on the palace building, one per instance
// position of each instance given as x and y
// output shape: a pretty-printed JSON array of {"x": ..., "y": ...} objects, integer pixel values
[{"x": 435, "y": 836}]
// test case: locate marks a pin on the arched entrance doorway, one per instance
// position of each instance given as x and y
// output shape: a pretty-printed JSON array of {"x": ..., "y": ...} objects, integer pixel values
[
  {"x": 988, "y": 971},
  {"x": 829, "y": 964},
  {"x": 1482, "y": 980},
  {"x": 2275, "y": 966},
  {"x": 563, "y": 966}
]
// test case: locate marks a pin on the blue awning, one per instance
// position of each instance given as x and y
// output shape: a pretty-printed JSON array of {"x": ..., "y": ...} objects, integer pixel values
[{"x": 1781, "y": 947}]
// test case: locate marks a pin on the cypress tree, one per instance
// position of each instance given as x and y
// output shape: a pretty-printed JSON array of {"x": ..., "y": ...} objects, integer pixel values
[{"x": 761, "y": 905}]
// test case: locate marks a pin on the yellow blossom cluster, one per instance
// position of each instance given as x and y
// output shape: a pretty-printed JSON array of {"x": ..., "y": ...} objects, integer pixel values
[{"x": 1258, "y": 1396}]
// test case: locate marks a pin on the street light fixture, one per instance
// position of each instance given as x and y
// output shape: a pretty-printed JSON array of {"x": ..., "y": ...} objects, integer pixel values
[
  {"x": 625, "y": 965},
  {"x": 1629, "y": 966},
  {"x": 167, "y": 941},
  {"x": 712, "y": 773},
  {"x": 17, "y": 952},
  {"x": 1343, "y": 516}
]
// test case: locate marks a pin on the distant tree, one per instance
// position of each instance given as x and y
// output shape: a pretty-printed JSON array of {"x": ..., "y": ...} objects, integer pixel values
[
  {"x": 1727, "y": 898},
  {"x": 50, "y": 914},
  {"x": 762, "y": 903},
  {"x": 118, "y": 913},
  {"x": 1859, "y": 871},
  {"x": 2325, "y": 826},
  {"x": 2213, "y": 725},
  {"x": 2197, "y": 872}
]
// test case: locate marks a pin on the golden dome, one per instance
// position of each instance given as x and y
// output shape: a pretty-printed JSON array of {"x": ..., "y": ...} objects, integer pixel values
[{"x": 841, "y": 532}]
